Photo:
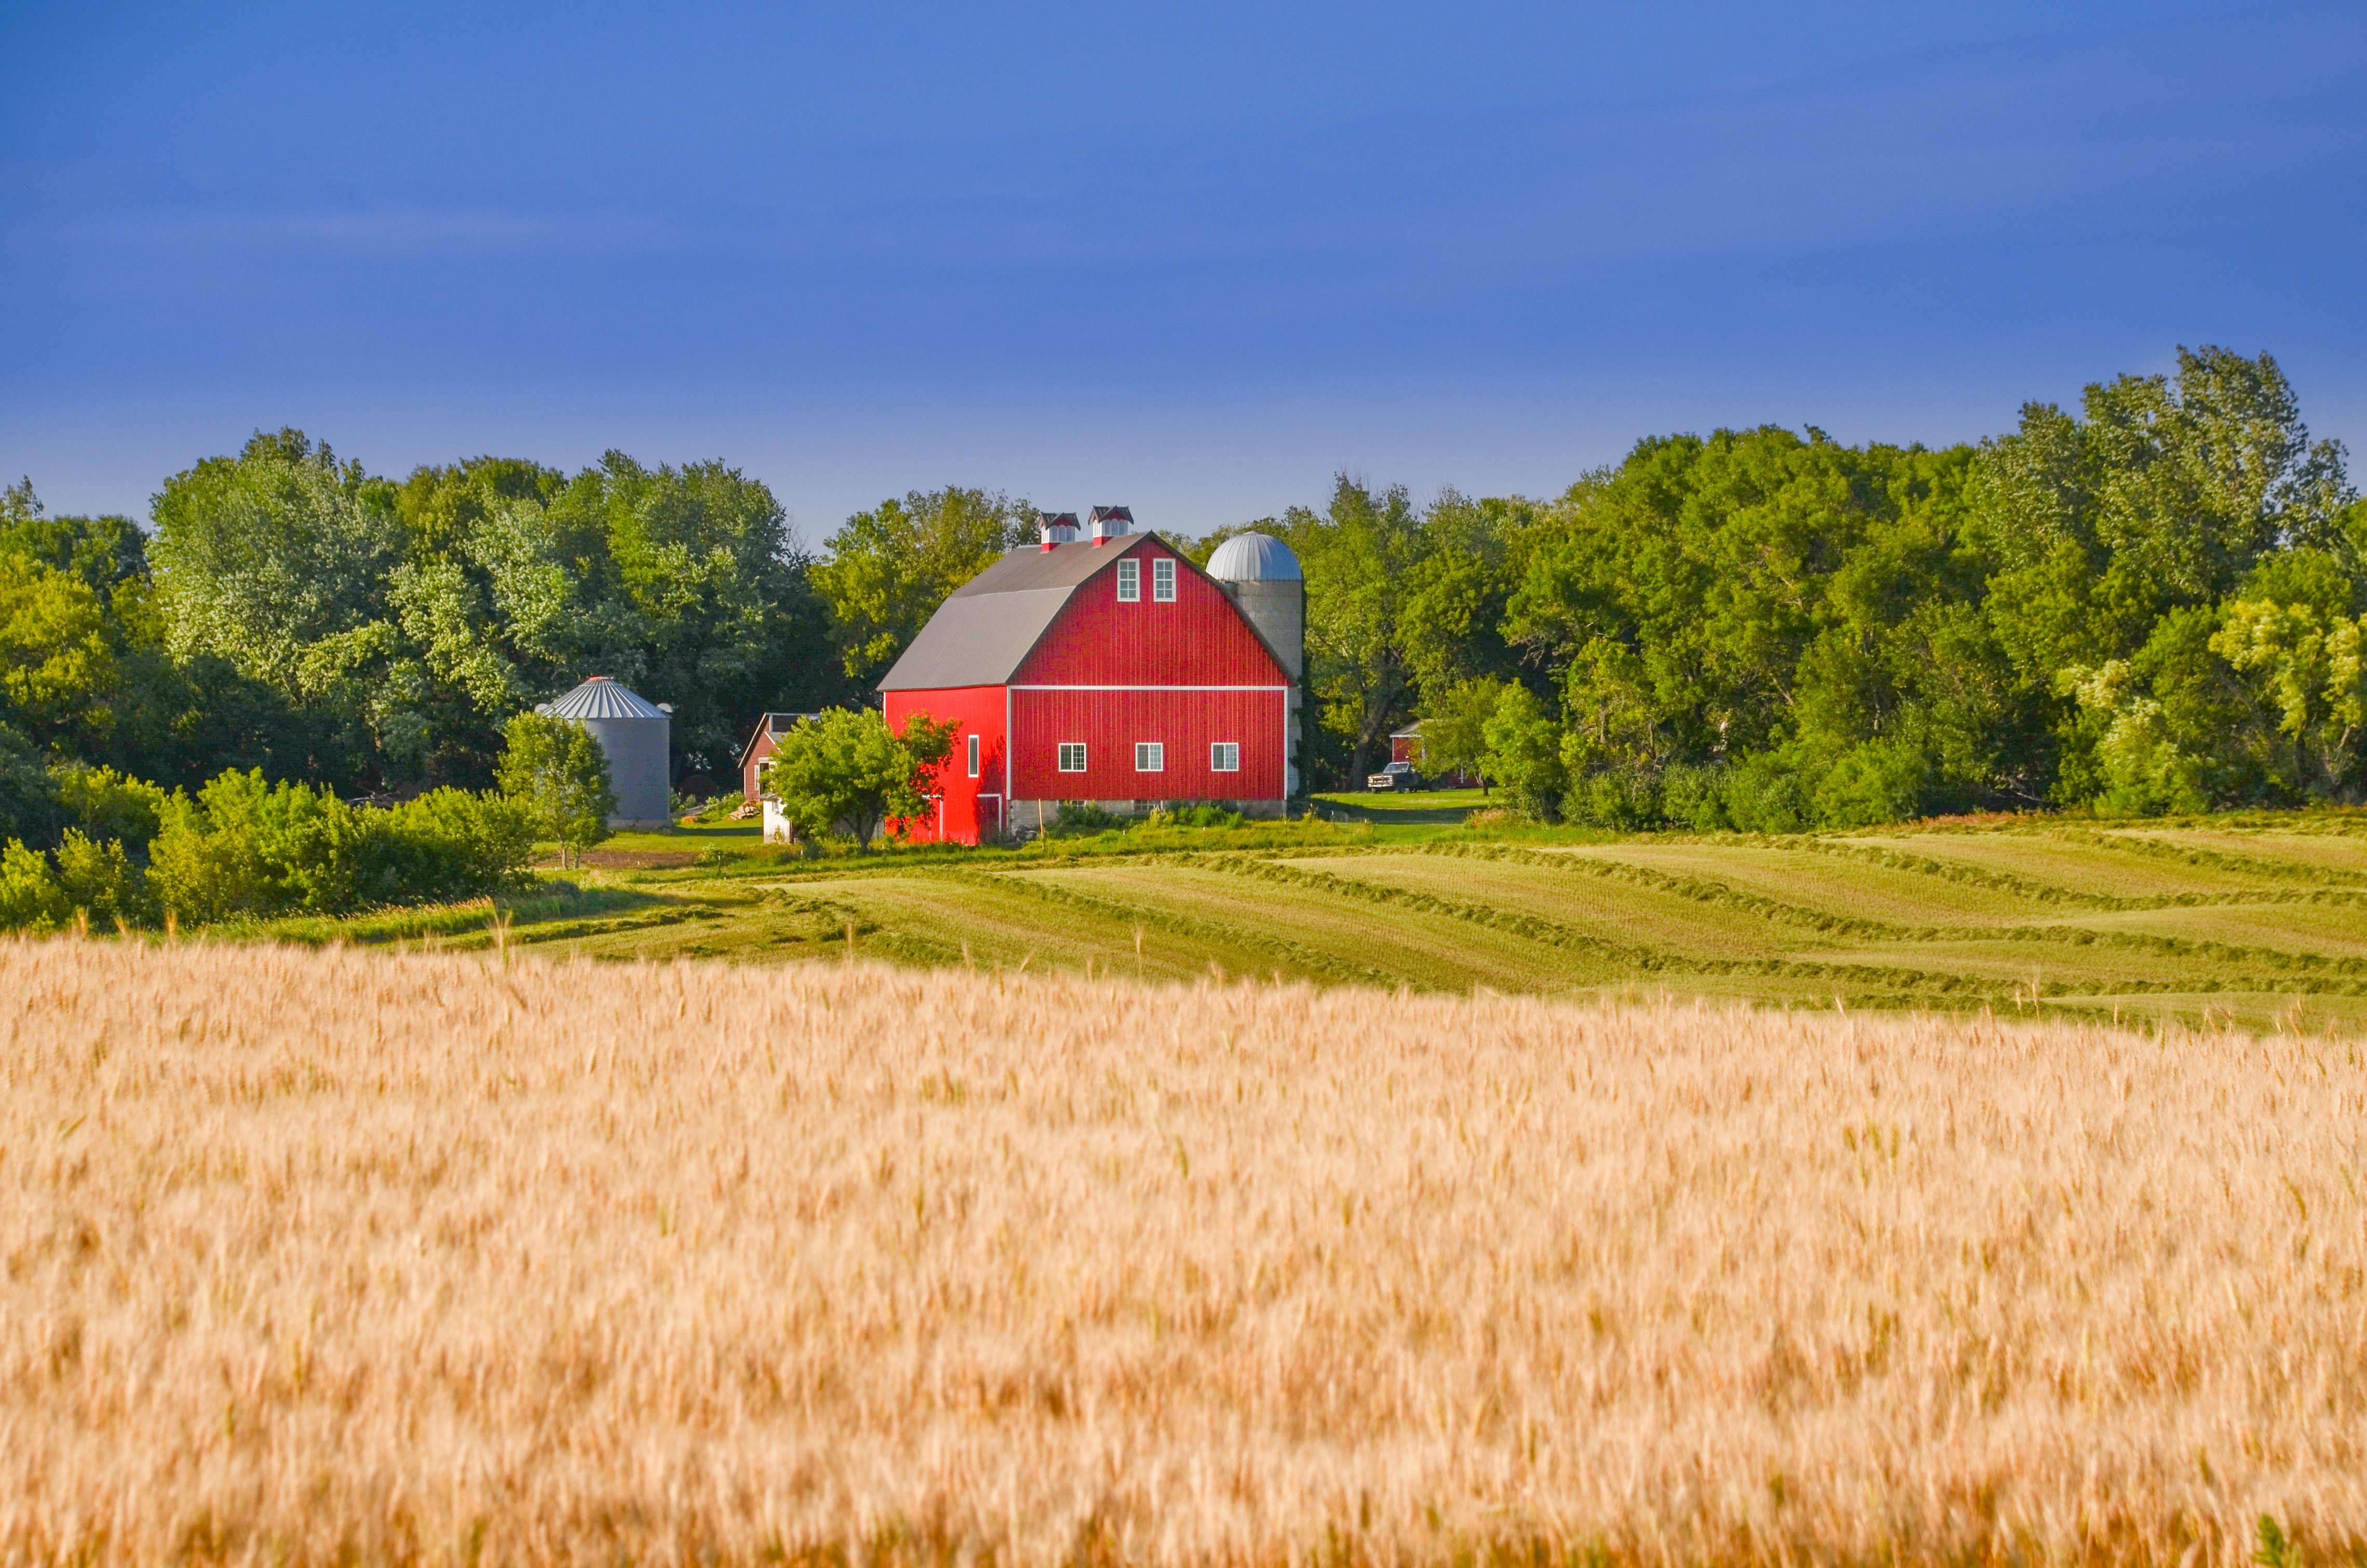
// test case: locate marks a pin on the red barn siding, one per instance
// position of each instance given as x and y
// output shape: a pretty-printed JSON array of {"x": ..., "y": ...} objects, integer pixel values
[
  {"x": 751, "y": 775},
  {"x": 1199, "y": 640},
  {"x": 970, "y": 804},
  {"x": 1110, "y": 722}
]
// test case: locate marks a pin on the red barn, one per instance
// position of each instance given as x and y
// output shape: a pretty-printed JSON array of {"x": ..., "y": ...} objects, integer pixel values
[{"x": 1108, "y": 669}]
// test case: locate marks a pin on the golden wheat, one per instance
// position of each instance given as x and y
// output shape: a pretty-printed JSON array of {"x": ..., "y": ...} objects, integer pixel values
[{"x": 325, "y": 1256}]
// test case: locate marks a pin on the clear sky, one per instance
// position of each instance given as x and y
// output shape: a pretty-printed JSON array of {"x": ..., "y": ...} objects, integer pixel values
[{"x": 1195, "y": 259}]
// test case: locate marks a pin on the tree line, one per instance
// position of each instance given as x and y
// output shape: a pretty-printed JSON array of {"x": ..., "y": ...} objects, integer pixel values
[{"x": 2152, "y": 603}]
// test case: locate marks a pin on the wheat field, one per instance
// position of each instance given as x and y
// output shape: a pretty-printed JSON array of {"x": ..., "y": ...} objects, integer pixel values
[{"x": 317, "y": 1256}]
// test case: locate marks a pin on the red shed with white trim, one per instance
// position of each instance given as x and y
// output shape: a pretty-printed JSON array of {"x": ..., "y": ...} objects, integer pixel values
[{"x": 1108, "y": 669}]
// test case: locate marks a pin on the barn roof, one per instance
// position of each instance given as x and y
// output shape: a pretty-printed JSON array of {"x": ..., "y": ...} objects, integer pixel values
[{"x": 982, "y": 633}]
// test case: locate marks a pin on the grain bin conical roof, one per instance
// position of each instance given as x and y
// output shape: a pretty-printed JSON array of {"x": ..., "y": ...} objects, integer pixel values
[{"x": 601, "y": 698}]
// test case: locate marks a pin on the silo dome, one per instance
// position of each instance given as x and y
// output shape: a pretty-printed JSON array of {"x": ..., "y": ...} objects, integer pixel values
[
  {"x": 1253, "y": 558},
  {"x": 637, "y": 735}
]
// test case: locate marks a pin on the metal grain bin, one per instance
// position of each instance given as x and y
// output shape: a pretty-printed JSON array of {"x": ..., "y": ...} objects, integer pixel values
[{"x": 635, "y": 735}]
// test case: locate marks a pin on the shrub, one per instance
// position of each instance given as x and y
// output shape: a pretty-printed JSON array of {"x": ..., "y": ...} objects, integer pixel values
[
  {"x": 1081, "y": 819},
  {"x": 1206, "y": 814},
  {"x": 1615, "y": 799},
  {"x": 28, "y": 801},
  {"x": 1876, "y": 781},
  {"x": 246, "y": 848},
  {"x": 445, "y": 845},
  {"x": 1524, "y": 752},
  {"x": 1764, "y": 795},
  {"x": 108, "y": 805},
  {"x": 98, "y": 878},
  {"x": 30, "y": 898},
  {"x": 1694, "y": 798}
]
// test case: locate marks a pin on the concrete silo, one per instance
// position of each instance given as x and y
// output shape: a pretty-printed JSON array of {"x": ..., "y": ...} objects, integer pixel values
[
  {"x": 635, "y": 735},
  {"x": 1259, "y": 572}
]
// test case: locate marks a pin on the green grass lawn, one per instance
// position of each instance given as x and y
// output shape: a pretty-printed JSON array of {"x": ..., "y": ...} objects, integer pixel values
[{"x": 2260, "y": 919}]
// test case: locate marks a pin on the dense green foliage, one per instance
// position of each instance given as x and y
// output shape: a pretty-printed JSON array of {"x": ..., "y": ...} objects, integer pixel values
[
  {"x": 128, "y": 853},
  {"x": 558, "y": 777},
  {"x": 846, "y": 769},
  {"x": 886, "y": 569},
  {"x": 2152, "y": 605},
  {"x": 244, "y": 847},
  {"x": 408, "y": 621}
]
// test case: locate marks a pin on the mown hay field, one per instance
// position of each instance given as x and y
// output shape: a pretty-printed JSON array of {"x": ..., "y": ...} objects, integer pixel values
[
  {"x": 312, "y": 1256},
  {"x": 2262, "y": 921}
]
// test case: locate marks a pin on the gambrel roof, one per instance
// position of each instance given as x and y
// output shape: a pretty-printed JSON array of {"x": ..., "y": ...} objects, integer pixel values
[{"x": 982, "y": 633}]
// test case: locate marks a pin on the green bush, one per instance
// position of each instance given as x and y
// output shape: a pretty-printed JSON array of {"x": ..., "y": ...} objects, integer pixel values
[
  {"x": 1206, "y": 814},
  {"x": 246, "y": 848},
  {"x": 1875, "y": 782},
  {"x": 445, "y": 845},
  {"x": 1763, "y": 794},
  {"x": 108, "y": 805},
  {"x": 99, "y": 879},
  {"x": 1617, "y": 798},
  {"x": 28, "y": 801},
  {"x": 30, "y": 898},
  {"x": 1081, "y": 819},
  {"x": 1694, "y": 798}
]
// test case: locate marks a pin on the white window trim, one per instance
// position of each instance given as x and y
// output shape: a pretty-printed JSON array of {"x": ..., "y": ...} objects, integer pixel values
[
  {"x": 1061, "y": 758},
  {"x": 1162, "y": 581},
  {"x": 1215, "y": 756},
  {"x": 1158, "y": 750},
  {"x": 976, "y": 756},
  {"x": 1129, "y": 582}
]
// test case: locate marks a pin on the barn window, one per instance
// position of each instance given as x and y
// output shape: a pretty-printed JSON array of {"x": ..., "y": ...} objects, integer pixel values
[
  {"x": 1129, "y": 582},
  {"x": 1225, "y": 757},
  {"x": 1162, "y": 581},
  {"x": 1072, "y": 756},
  {"x": 1149, "y": 756},
  {"x": 973, "y": 757}
]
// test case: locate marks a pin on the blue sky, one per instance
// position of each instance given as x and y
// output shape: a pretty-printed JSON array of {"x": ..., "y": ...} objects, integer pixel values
[{"x": 1195, "y": 259}]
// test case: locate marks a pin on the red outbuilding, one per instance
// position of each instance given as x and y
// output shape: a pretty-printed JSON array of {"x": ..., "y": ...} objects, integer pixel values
[{"x": 1108, "y": 669}]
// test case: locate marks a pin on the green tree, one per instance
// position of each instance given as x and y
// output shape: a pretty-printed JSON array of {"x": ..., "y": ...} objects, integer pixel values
[
  {"x": 100, "y": 881},
  {"x": 2113, "y": 539},
  {"x": 278, "y": 561},
  {"x": 678, "y": 582},
  {"x": 30, "y": 898},
  {"x": 2308, "y": 671},
  {"x": 28, "y": 798},
  {"x": 886, "y": 571},
  {"x": 58, "y": 674},
  {"x": 1455, "y": 725},
  {"x": 105, "y": 804},
  {"x": 846, "y": 766},
  {"x": 1450, "y": 617},
  {"x": 1359, "y": 557},
  {"x": 555, "y": 769},
  {"x": 1524, "y": 752}
]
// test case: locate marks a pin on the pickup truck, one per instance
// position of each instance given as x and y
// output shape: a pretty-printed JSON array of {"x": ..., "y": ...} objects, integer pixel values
[{"x": 1395, "y": 776}]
